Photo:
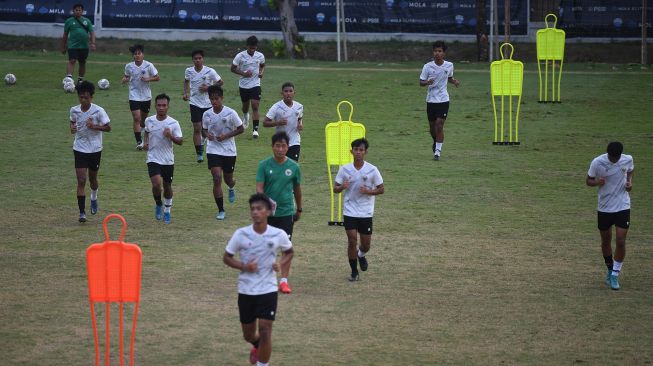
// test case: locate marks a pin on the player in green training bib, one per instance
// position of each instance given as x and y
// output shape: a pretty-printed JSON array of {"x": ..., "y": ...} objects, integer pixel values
[
  {"x": 279, "y": 178},
  {"x": 76, "y": 33}
]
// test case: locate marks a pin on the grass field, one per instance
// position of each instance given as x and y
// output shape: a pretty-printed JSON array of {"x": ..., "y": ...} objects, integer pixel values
[{"x": 489, "y": 256}]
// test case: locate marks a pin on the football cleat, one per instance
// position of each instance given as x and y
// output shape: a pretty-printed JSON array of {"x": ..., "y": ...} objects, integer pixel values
[
  {"x": 363, "y": 262},
  {"x": 200, "y": 158},
  {"x": 166, "y": 217},
  {"x": 284, "y": 288},
  {"x": 220, "y": 216},
  {"x": 93, "y": 207},
  {"x": 354, "y": 277},
  {"x": 82, "y": 217},
  {"x": 607, "y": 277},
  {"x": 139, "y": 146},
  {"x": 253, "y": 356},
  {"x": 254, "y": 134},
  {"x": 158, "y": 212},
  {"x": 614, "y": 282},
  {"x": 232, "y": 195}
]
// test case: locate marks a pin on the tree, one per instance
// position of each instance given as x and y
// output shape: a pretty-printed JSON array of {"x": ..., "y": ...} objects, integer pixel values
[{"x": 294, "y": 43}]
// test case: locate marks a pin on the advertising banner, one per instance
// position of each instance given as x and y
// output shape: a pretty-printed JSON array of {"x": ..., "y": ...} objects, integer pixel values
[
  {"x": 52, "y": 11},
  {"x": 598, "y": 18}
]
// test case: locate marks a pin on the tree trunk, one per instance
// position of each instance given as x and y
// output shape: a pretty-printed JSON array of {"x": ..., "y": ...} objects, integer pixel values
[
  {"x": 481, "y": 31},
  {"x": 291, "y": 38}
]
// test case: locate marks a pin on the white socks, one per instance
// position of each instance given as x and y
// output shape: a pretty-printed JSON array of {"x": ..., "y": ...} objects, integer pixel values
[
  {"x": 438, "y": 147},
  {"x": 245, "y": 117},
  {"x": 616, "y": 268},
  {"x": 360, "y": 254},
  {"x": 259, "y": 363},
  {"x": 284, "y": 279},
  {"x": 167, "y": 204},
  {"x": 93, "y": 195}
]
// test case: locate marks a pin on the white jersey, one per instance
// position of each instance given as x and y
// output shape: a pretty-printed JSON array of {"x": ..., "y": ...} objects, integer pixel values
[
  {"x": 293, "y": 114},
  {"x": 356, "y": 203},
  {"x": 262, "y": 248},
  {"x": 612, "y": 195},
  {"x": 206, "y": 76},
  {"x": 437, "y": 92},
  {"x": 221, "y": 123},
  {"x": 246, "y": 62},
  {"x": 139, "y": 90},
  {"x": 160, "y": 147},
  {"x": 86, "y": 139}
]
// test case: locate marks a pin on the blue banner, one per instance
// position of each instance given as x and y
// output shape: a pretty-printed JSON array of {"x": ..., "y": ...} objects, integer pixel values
[
  {"x": 52, "y": 11},
  {"x": 600, "y": 18}
]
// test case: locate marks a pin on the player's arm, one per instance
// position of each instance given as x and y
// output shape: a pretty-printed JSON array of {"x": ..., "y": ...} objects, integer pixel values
[
  {"x": 268, "y": 122},
  {"x": 219, "y": 82},
  {"x": 103, "y": 128},
  {"x": 232, "y": 262},
  {"x": 73, "y": 127},
  {"x": 629, "y": 180},
  {"x": 593, "y": 181},
  {"x": 284, "y": 262},
  {"x": 186, "y": 89},
  {"x": 453, "y": 81},
  {"x": 146, "y": 139},
  {"x": 259, "y": 187},
  {"x": 380, "y": 189},
  {"x": 297, "y": 190},
  {"x": 64, "y": 41},
  {"x": 425, "y": 82},
  {"x": 92, "y": 41},
  {"x": 153, "y": 78},
  {"x": 237, "y": 71},
  {"x": 300, "y": 124},
  {"x": 261, "y": 70}
]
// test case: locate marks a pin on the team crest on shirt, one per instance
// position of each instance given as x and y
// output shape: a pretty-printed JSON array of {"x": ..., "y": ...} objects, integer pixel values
[
  {"x": 288, "y": 172},
  {"x": 623, "y": 169},
  {"x": 365, "y": 178},
  {"x": 270, "y": 244},
  {"x": 224, "y": 120}
]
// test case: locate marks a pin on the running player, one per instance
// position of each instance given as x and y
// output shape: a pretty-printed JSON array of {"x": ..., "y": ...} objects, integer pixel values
[
  {"x": 436, "y": 74},
  {"x": 257, "y": 246},
  {"x": 361, "y": 181},
  {"x": 287, "y": 116},
  {"x": 613, "y": 174},
  {"x": 197, "y": 80},
  {"x": 139, "y": 73},
  {"x": 87, "y": 122},
  {"x": 161, "y": 131},
  {"x": 250, "y": 65},
  {"x": 221, "y": 124}
]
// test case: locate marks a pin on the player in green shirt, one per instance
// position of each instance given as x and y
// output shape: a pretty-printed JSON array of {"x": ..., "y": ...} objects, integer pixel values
[
  {"x": 279, "y": 178},
  {"x": 76, "y": 32}
]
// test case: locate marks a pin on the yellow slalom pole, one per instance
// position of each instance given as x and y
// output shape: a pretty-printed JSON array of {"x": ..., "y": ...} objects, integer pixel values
[
  {"x": 546, "y": 79},
  {"x": 517, "y": 121},
  {"x": 559, "y": 79},
  {"x": 502, "y": 113},
  {"x": 510, "y": 119},
  {"x": 539, "y": 75},
  {"x": 553, "y": 80},
  {"x": 496, "y": 122}
]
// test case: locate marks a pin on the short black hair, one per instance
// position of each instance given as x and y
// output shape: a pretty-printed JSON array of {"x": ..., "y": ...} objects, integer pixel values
[
  {"x": 85, "y": 86},
  {"x": 260, "y": 197},
  {"x": 136, "y": 47},
  {"x": 162, "y": 96},
  {"x": 286, "y": 84},
  {"x": 252, "y": 41},
  {"x": 615, "y": 148},
  {"x": 215, "y": 90},
  {"x": 439, "y": 44},
  {"x": 359, "y": 142},
  {"x": 280, "y": 136},
  {"x": 78, "y": 6},
  {"x": 201, "y": 52}
]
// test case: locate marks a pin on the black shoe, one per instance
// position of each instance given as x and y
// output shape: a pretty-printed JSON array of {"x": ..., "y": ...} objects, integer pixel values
[
  {"x": 354, "y": 277},
  {"x": 363, "y": 262}
]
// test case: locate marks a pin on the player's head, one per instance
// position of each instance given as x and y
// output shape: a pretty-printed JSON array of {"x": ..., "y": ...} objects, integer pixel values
[
  {"x": 439, "y": 48},
  {"x": 162, "y": 102},
  {"x": 137, "y": 52},
  {"x": 615, "y": 149},
  {"x": 85, "y": 90},
  {"x": 216, "y": 95},
  {"x": 260, "y": 207},
  {"x": 252, "y": 44},
  {"x": 280, "y": 142},
  {"x": 78, "y": 10},
  {"x": 288, "y": 91},
  {"x": 359, "y": 148},
  {"x": 362, "y": 142},
  {"x": 198, "y": 57}
]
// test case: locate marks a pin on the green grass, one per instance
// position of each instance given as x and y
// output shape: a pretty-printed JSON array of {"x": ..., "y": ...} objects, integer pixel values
[{"x": 490, "y": 256}]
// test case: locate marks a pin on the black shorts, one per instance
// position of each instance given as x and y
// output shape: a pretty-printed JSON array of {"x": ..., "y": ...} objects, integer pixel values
[
  {"x": 284, "y": 223},
  {"x": 619, "y": 219},
  {"x": 196, "y": 113},
  {"x": 361, "y": 224},
  {"x": 227, "y": 163},
  {"x": 143, "y": 106},
  {"x": 90, "y": 161},
  {"x": 252, "y": 307},
  {"x": 248, "y": 94},
  {"x": 79, "y": 54},
  {"x": 165, "y": 171},
  {"x": 293, "y": 152},
  {"x": 437, "y": 110}
]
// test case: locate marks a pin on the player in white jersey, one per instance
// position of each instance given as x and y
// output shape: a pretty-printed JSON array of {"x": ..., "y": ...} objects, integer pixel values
[
  {"x": 361, "y": 182},
  {"x": 436, "y": 74},
  {"x": 87, "y": 122},
  {"x": 287, "y": 115},
  {"x": 613, "y": 174},
  {"x": 161, "y": 132},
  {"x": 197, "y": 80},
  {"x": 250, "y": 65},
  {"x": 139, "y": 74},
  {"x": 257, "y": 246},
  {"x": 220, "y": 125}
]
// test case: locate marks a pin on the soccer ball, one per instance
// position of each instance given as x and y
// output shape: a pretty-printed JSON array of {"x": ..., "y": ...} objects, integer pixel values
[
  {"x": 67, "y": 80},
  {"x": 10, "y": 79},
  {"x": 103, "y": 84},
  {"x": 69, "y": 87}
]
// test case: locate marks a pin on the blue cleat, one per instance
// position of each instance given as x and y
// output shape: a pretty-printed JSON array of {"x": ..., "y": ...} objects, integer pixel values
[
  {"x": 166, "y": 217},
  {"x": 607, "y": 278},
  {"x": 232, "y": 195},
  {"x": 614, "y": 282},
  {"x": 93, "y": 207},
  {"x": 220, "y": 216},
  {"x": 158, "y": 212}
]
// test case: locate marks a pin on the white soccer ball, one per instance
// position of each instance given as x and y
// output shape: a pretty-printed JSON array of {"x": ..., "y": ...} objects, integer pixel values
[
  {"x": 69, "y": 87},
  {"x": 103, "y": 84},
  {"x": 67, "y": 80},
  {"x": 10, "y": 79}
]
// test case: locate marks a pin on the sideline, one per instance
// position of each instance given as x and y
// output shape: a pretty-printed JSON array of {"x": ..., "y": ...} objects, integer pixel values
[{"x": 318, "y": 68}]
